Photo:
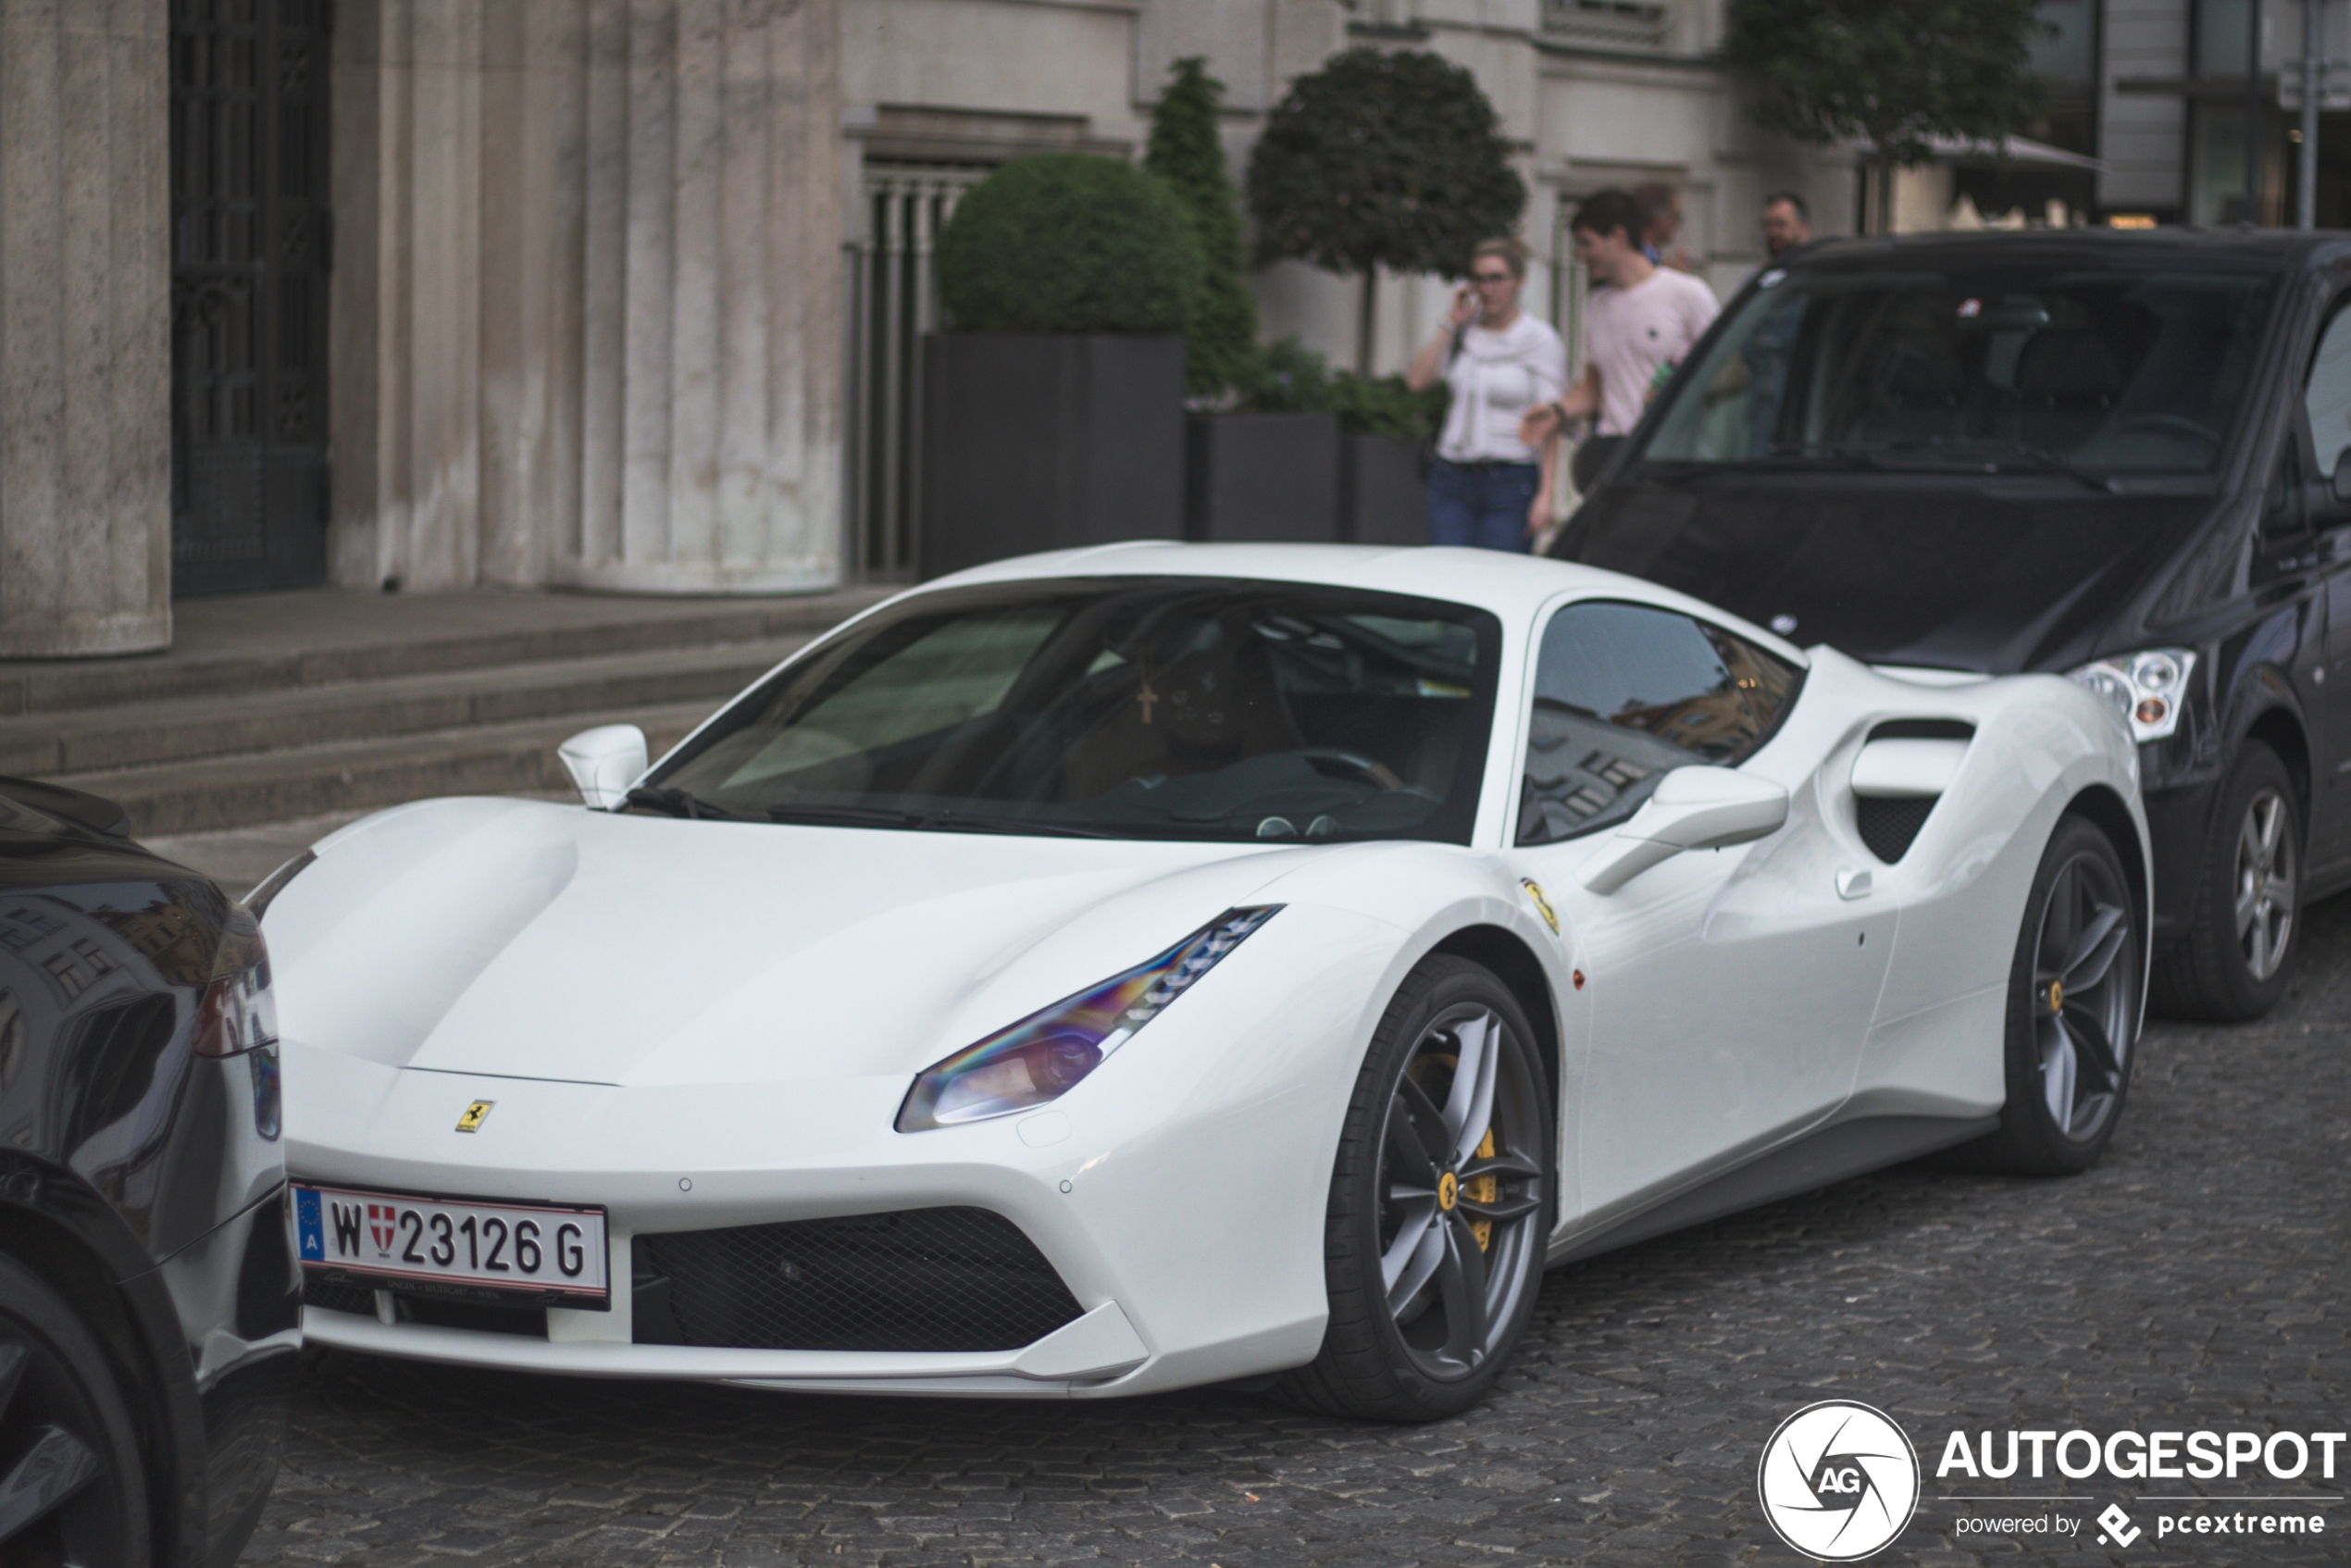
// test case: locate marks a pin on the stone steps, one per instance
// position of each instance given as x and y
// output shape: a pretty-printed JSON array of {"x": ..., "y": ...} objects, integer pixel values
[
  {"x": 236, "y": 792},
  {"x": 326, "y": 703},
  {"x": 137, "y": 735}
]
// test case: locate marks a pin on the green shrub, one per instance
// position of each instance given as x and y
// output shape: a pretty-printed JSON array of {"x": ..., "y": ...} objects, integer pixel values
[
  {"x": 1185, "y": 151},
  {"x": 1284, "y": 377},
  {"x": 1384, "y": 405},
  {"x": 1069, "y": 242}
]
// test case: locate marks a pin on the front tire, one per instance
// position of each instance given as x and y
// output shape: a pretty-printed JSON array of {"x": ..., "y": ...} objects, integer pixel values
[
  {"x": 1439, "y": 1204},
  {"x": 2234, "y": 962},
  {"x": 73, "y": 1489},
  {"x": 2072, "y": 1012}
]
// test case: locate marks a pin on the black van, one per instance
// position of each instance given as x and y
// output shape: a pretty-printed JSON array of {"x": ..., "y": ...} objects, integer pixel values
[{"x": 2116, "y": 456}]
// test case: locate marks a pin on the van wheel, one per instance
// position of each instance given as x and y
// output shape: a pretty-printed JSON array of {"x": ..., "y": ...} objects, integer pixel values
[{"x": 2234, "y": 962}]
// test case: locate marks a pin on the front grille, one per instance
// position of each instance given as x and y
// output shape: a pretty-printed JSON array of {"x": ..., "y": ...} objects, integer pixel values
[
  {"x": 487, "y": 1315},
  {"x": 336, "y": 1295},
  {"x": 920, "y": 1280},
  {"x": 1888, "y": 825}
]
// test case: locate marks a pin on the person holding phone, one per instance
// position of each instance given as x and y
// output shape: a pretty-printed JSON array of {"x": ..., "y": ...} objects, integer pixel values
[{"x": 1486, "y": 487}]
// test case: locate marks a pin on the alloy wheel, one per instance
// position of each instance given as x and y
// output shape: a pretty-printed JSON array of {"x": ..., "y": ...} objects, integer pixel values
[
  {"x": 60, "y": 1501},
  {"x": 2265, "y": 883},
  {"x": 1462, "y": 1193},
  {"x": 2083, "y": 996}
]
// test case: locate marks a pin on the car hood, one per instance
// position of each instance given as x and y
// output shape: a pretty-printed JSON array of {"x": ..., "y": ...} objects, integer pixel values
[
  {"x": 533, "y": 941},
  {"x": 1995, "y": 574}
]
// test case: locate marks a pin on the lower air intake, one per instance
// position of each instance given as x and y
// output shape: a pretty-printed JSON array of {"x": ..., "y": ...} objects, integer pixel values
[
  {"x": 920, "y": 1280},
  {"x": 1890, "y": 824}
]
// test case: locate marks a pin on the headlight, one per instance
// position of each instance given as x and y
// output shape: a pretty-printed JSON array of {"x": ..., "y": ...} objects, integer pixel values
[
  {"x": 1043, "y": 1056},
  {"x": 2145, "y": 690}
]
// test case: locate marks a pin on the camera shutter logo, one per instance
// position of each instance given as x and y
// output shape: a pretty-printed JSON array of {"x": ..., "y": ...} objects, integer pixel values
[{"x": 1839, "y": 1481}]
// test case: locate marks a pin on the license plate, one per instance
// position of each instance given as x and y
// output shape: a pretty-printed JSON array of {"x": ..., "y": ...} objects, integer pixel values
[{"x": 455, "y": 1246}]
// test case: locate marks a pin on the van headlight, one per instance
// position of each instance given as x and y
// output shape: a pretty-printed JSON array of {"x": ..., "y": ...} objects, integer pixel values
[
  {"x": 2145, "y": 690},
  {"x": 1044, "y": 1056}
]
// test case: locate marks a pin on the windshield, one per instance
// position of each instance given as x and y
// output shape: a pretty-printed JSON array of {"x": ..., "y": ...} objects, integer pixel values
[
  {"x": 2101, "y": 372},
  {"x": 1134, "y": 707}
]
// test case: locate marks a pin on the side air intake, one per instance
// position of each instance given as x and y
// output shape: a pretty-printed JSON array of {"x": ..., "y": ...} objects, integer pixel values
[{"x": 1899, "y": 773}]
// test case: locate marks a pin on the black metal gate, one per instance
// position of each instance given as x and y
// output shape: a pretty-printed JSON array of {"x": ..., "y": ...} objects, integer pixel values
[{"x": 251, "y": 237}]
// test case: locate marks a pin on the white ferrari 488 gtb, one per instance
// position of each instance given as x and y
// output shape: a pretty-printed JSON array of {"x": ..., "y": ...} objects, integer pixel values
[{"x": 1160, "y": 964}]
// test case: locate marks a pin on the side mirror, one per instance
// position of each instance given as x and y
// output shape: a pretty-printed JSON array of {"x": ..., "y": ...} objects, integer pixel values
[
  {"x": 1694, "y": 808},
  {"x": 1593, "y": 455},
  {"x": 2339, "y": 482},
  {"x": 603, "y": 761}
]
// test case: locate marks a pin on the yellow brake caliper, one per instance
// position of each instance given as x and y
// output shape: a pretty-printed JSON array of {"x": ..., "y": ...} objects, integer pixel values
[{"x": 1484, "y": 1190}]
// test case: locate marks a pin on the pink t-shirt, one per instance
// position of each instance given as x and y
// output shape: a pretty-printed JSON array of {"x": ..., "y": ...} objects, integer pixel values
[{"x": 1629, "y": 332}]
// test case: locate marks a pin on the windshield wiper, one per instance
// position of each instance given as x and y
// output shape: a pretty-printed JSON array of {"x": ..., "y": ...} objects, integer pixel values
[
  {"x": 944, "y": 821},
  {"x": 1994, "y": 451},
  {"x": 678, "y": 803}
]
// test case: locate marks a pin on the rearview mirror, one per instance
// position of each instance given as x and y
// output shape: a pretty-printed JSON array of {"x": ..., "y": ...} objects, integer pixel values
[
  {"x": 1694, "y": 808},
  {"x": 603, "y": 761}
]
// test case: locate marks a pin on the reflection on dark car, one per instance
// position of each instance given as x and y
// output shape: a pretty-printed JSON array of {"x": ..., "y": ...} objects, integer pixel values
[
  {"x": 149, "y": 1297},
  {"x": 2116, "y": 456}
]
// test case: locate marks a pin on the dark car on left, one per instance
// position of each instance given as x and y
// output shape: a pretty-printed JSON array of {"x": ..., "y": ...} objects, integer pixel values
[{"x": 150, "y": 1303}]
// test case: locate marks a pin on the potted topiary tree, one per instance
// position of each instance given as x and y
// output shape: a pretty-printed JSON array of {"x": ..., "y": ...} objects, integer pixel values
[
  {"x": 1053, "y": 406},
  {"x": 1382, "y": 159}
]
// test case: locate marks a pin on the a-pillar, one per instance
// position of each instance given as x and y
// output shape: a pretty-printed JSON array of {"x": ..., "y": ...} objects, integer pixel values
[{"x": 85, "y": 327}]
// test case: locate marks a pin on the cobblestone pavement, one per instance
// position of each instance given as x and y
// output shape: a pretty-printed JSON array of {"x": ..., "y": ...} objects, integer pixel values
[{"x": 2195, "y": 1280}]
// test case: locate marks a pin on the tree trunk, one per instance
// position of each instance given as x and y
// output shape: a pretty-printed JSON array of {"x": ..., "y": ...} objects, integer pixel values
[{"x": 1368, "y": 318}]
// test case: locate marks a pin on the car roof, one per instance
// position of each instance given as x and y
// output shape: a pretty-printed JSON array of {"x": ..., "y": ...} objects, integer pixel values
[
  {"x": 1514, "y": 586},
  {"x": 2279, "y": 249}
]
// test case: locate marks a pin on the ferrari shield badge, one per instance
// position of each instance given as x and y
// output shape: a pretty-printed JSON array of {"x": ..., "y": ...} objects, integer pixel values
[
  {"x": 471, "y": 1120},
  {"x": 1542, "y": 904}
]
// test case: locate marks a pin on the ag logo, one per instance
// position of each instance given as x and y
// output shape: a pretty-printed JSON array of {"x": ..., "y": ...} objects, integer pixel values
[{"x": 1839, "y": 1481}]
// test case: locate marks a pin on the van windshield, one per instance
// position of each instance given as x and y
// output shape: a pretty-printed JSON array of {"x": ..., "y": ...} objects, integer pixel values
[{"x": 2091, "y": 372}]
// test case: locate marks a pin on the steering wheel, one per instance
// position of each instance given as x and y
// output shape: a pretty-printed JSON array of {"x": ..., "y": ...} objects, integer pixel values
[{"x": 1375, "y": 772}]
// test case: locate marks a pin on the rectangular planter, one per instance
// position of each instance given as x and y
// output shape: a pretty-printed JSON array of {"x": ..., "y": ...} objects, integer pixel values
[
  {"x": 1383, "y": 497},
  {"x": 1048, "y": 442},
  {"x": 1261, "y": 479}
]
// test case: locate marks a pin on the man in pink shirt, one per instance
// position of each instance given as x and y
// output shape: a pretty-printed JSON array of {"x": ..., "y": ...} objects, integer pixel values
[{"x": 1639, "y": 324}]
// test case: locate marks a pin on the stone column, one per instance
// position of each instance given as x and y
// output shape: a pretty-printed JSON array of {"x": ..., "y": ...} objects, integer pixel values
[
  {"x": 85, "y": 327},
  {"x": 589, "y": 294}
]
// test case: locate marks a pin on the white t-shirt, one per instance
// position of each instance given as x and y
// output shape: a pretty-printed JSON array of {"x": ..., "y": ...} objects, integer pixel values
[
  {"x": 1495, "y": 379},
  {"x": 1629, "y": 332}
]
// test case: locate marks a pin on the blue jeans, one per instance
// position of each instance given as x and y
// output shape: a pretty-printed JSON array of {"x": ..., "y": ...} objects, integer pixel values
[{"x": 1482, "y": 504}]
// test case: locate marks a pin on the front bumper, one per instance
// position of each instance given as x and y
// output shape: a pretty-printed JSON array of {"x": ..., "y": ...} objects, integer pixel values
[
  {"x": 1081, "y": 1357},
  {"x": 2179, "y": 823},
  {"x": 1178, "y": 1193}
]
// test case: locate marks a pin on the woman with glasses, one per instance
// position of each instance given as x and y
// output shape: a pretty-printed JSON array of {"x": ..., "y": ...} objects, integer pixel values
[{"x": 1486, "y": 487}]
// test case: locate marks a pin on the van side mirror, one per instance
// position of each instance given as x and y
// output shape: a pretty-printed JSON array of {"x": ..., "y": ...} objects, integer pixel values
[
  {"x": 603, "y": 761},
  {"x": 1694, "y": 808}
]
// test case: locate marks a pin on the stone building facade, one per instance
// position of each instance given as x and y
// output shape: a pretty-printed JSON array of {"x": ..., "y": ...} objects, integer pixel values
[{"x": 622, "y": 295}]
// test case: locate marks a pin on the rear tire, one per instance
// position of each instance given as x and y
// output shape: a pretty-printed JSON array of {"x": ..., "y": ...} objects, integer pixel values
[
  {"x": 1440, "y": 1205},
  {"x": 74, "y": 1487},
  {"x": 2072, "y": 1012},
  {"x": 2238, "y": 955}
]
